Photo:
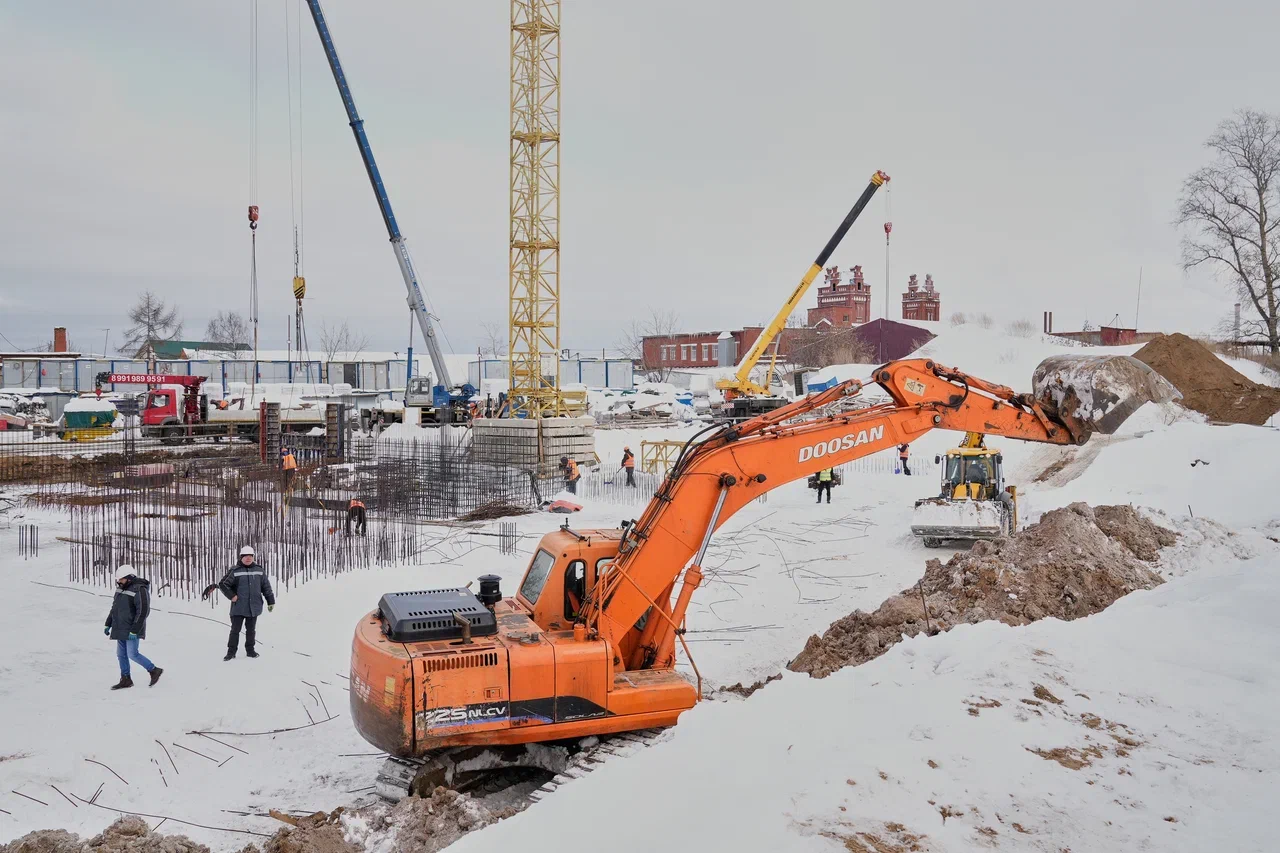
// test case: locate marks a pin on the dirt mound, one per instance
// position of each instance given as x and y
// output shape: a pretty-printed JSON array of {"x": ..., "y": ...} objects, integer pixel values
[
  {"x": 318, "y": 833},
  {"x": 423, "y": 824},
  {"x": 1143, "y": 538},
  {"x": 1208, "y": 384},
  {"x": 129, "y": 834},
  {"x": 1071, "y": 564}
]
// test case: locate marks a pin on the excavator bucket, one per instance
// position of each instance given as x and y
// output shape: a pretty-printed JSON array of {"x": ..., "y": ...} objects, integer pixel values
[{"x": 1097, "y": 393}]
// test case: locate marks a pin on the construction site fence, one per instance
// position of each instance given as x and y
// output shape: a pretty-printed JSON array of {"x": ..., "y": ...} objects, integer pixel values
[{"x": 181, "y": 515}]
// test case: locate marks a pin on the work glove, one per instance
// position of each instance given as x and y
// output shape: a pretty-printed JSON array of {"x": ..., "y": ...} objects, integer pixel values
[
  {"x": 106, "y": 632},
  {"x": 208, "y": 590},
  {"x": 270, "y": 607}
]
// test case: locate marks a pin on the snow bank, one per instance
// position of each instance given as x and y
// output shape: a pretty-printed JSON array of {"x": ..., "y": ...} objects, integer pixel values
[{"x": 970, "y": 740}]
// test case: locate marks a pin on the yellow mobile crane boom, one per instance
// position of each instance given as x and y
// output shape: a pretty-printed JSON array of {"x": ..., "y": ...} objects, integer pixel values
[{"x": 741, "y": 384}]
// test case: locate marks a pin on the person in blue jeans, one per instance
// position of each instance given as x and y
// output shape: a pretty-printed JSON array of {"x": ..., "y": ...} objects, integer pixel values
[{"x": 127, "y": 624}]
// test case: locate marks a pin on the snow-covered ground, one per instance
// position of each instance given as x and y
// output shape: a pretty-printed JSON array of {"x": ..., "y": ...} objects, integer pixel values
[{"x": 1183, "y": 679}]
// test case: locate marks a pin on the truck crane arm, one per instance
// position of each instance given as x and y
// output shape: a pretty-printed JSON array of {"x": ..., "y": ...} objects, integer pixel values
[
  {"x": 741, "y": 383},
  {"x": 416, "y": 303},
  {"x": 716, "y": 477}
]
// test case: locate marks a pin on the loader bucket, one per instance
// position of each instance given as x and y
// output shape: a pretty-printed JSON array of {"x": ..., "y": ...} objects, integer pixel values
[{"x": 1097, "y": 393}]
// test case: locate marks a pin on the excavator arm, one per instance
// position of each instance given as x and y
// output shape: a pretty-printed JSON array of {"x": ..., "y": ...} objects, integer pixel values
[{"x": 735, "y": 464}]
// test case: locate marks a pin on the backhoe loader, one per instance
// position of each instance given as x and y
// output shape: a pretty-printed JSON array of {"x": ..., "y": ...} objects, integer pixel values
[
  {"x": 586, "y": 644},
  {"x": 974, "y": 502}
]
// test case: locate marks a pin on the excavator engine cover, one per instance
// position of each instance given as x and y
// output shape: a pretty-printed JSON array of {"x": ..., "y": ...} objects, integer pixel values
[
  {"x": 1097, "y": 393},
  {"x": 425, "y": 615}
]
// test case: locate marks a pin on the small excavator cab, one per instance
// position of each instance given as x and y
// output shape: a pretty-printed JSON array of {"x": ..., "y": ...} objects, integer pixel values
[{"x": 973, "y": 473}]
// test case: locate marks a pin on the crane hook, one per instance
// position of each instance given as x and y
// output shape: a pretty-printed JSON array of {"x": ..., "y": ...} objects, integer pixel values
[{"x": 253, "y": 217}]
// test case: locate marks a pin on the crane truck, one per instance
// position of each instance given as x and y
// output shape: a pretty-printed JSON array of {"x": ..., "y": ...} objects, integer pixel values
[
  {"x": 743, "y": 396},
  {"x": 447, "y": 400},
  {"x": 175, "y": 409},
  {"x": 586, "y": 645}
]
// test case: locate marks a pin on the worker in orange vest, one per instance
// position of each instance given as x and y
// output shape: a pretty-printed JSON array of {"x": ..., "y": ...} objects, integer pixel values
[
  {"x": 903, "y": 453},
  {"x": 629, "y": 465},
  {"x": 289, "y": 465},
  {"x": 356, "y": 513},
  {"x": 571, "y": 474}
]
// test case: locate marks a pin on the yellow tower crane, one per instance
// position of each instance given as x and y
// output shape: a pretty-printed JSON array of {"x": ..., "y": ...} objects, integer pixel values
[{"x": 533, "y": 362}]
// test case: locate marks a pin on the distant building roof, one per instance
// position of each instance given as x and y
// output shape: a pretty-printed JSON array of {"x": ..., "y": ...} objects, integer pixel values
[{"x": 178, "y": 349}]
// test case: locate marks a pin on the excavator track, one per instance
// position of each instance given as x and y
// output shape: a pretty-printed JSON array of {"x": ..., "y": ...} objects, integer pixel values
[{"x": 487, "y": 772}]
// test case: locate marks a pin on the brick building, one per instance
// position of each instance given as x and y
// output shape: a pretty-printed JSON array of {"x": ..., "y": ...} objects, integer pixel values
[
  {"x": 921, "y": 304},
  {"x": 701, "y": 349},
  {"x": 842, "y": 305}
]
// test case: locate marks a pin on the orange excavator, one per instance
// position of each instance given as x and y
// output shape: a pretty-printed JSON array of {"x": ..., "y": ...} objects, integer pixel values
[{"x": 587, "y": 644}]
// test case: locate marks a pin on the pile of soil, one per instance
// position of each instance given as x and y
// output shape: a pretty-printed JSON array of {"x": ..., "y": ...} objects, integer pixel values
[
  {"x": 1075, "y": 562},
  {"x": 1208, "y": 384},
  {"x": 127, "y": 835},
  {"x": 318, "y": 833},
  {"x": 425, "y": 825}
]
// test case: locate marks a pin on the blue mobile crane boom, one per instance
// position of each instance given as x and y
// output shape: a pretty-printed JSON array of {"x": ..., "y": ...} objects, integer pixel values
[{"x": 443, "y": 393}]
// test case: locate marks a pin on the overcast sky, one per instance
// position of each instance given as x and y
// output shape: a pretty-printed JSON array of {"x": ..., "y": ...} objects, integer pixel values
[{"x": 710, "y": 147}]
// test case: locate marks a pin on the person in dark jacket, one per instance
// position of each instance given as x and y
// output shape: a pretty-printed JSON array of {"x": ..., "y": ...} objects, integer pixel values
[
  {"x": 246, "y": 585},
  {"x": 826, "y": 479},
  {"x": 127, "y": 624}
]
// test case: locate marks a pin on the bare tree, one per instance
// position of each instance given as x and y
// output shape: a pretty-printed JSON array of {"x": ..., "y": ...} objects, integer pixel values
[
  {"x": 230, "y": 331},
  {"x": 1021, "y": 328},
  {"x": 494, "y": 343},
  {"x": 797, "y": 321},
  {"x": 984, "y": 320},
  {"x": 631, "y": 344},
  {"x": 340, "y": 339},
  {"x": 959, "y": 319},
  {"x": 1232, "y": 207},
  {"x": 150, "y": 320},
  {"x": 832, "y": 347}
]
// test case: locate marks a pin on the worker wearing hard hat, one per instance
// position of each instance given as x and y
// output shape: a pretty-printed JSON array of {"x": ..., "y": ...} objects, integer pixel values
[
  {"x": 571, "y": 474},
  {"x": 629, "y": 465},
  {"x": 127, "y": 624},
  {"x": 246, "y": 585}
]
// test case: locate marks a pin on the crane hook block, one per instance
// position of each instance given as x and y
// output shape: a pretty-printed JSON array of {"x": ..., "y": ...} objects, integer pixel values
[{"x": 253, "y": 217}]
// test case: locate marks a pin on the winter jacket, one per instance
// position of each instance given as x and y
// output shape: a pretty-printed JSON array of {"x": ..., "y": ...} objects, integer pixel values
[
  {"x": 628, "y": 459},
  {"x": 250, "y": 585},
  {"x": 129, "y": 610}
]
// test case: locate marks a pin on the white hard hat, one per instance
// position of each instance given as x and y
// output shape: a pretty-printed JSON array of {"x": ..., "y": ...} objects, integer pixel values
[
  {"x": 125, "y": 571},
  {"x": 247, "y": 549}
]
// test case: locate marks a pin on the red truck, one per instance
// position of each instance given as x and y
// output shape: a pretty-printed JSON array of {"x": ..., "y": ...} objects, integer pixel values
[{"x": 177, "y": 409}]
